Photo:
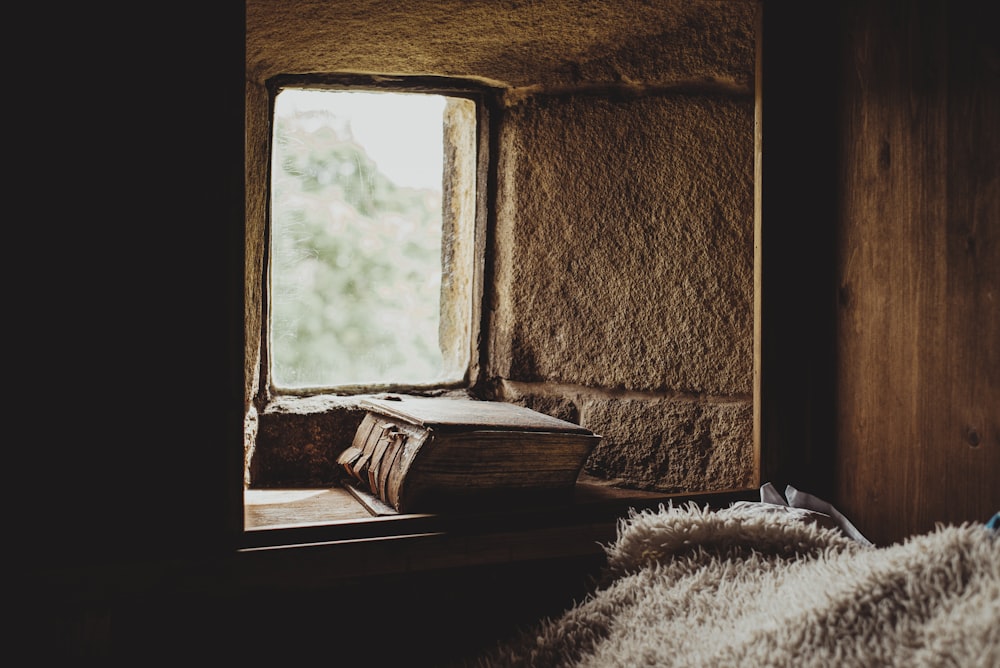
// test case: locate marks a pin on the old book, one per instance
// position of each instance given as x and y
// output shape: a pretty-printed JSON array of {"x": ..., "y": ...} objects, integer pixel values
[{"x": 423, "y": 454}]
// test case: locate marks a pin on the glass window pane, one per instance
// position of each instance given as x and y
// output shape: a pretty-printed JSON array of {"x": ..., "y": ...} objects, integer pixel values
[{"x": 356, "y": 216}]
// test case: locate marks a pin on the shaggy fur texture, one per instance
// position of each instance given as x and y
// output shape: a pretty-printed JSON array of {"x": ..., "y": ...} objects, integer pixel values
[{"x": 764, "y": 585}]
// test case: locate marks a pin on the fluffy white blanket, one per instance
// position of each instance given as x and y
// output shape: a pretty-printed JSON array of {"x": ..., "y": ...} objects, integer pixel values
[{"x": 765, "y": 585}]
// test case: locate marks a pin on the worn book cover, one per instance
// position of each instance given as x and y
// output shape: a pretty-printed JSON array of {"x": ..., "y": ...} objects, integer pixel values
[{"x": 421, "y": 454}]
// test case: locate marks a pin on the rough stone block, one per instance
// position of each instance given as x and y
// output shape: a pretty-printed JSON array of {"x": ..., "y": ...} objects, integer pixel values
[
  {"x": 298, "y": 441},
  {"x": 551, "y": 44},
  {"x": 628, "y": 260},
  {"x": 671, "y": 445}
]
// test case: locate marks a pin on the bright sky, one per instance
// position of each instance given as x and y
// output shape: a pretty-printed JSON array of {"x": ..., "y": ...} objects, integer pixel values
[{"x": 401, "y": 132}]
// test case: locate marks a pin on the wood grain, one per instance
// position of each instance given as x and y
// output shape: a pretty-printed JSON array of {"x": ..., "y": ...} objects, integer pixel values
[
  {"x": 918, "y": 329},
  {"x": 280, "y": 507}
]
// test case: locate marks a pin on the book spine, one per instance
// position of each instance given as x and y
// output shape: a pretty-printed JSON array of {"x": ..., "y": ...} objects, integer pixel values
[{"x": 381, "y": 454}]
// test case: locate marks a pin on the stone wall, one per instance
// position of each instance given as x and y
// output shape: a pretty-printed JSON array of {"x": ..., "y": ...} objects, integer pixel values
[{"x": 620, "y": 277}]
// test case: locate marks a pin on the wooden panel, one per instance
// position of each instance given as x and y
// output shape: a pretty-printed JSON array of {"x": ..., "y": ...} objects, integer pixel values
[{"x": 918, "y": 329}]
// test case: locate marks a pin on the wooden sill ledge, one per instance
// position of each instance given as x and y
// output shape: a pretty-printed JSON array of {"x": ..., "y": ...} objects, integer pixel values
[
  {"x": 286, "y": 508},
  {"x": 324, "y": 534},
  {"x": 305, "y": 540}
]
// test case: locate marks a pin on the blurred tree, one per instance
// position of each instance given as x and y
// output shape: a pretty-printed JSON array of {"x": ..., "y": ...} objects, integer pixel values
[{"x": 356, "y": 263}]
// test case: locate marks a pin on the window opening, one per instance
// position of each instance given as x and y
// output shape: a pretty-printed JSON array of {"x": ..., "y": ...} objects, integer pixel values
[{"x": 372, "y": 219}]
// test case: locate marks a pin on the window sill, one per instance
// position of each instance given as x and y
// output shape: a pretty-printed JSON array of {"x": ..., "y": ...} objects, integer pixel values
[
  {"x": 269, "y": 509},
  {"x": 293, "y": 526}
]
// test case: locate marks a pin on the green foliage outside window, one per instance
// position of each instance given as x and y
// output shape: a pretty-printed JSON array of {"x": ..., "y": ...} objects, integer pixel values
[{"x": 355, "y": 266}]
